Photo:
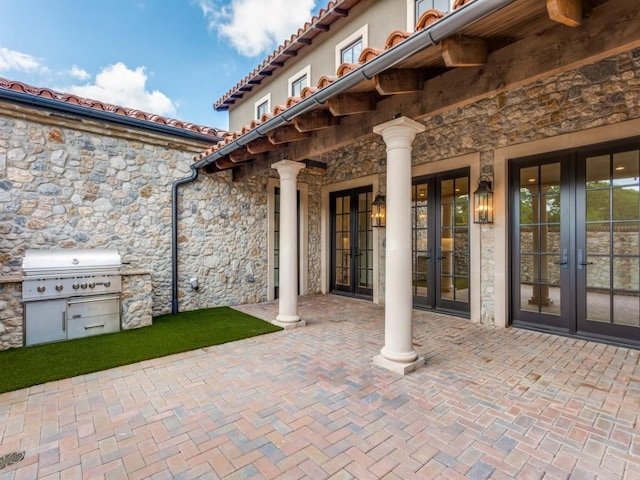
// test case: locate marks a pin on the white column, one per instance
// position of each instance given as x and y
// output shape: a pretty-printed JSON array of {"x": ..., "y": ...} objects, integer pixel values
[
  {"x": 288, "y": 289},
  {"x": 398, "y": 354}
]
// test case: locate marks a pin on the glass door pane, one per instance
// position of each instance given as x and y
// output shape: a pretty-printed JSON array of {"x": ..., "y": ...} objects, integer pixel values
[
  {"x": 608, "y": 250},
  {"x": 421, "y": 244},
  {"x": 342, "y": 247},
  {"x": 352, "y": 242},
  {"x": 364, "y": 254}
]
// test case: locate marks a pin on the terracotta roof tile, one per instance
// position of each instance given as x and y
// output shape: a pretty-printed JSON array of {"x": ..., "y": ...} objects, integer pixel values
[
  {"x": 367, "y": 55},
  {"x": 303, "y": 37},
  {"x": 69, "y": 98},
  {"x": 427, "y": 18}
]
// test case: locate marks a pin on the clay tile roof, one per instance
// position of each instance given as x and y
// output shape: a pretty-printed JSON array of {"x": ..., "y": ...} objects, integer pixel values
[
  {"x": 319, "y": 24},
  {"x": 71, "y": 99},
  {"x": 369, "y": 53},
  {"x": 427, "y": 18},
  {"x": 324, "y": 81},
  {"x": 395, "y": 38},
  {"x": 345, "y": 68}
]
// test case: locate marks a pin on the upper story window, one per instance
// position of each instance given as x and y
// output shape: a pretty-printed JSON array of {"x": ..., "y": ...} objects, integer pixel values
[
  {"x": 351, "y": 53},
  {"x": 262, "y": 106},
  {"x": 424, "y": 5},
  {"x": 349, "y": 49},
  {"x": 299, "y": 80}
]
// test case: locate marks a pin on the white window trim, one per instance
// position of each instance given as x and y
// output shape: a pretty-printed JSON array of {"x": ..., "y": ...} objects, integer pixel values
[
  {"x": 266, "y": 98},
  {"x": 360, "y": 33},
  {"x": 293, "y": 78}
]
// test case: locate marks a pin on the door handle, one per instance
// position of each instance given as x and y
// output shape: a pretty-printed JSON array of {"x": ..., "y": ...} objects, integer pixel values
[
  {"x": 581, "y": 262},
  {"x": 439, "y": 254},
  {"x": 564, "y": 259}
]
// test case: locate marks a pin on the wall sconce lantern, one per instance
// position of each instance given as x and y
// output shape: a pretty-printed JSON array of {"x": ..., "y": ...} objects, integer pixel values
[
  {"x": 379, "y": 211},
  {"x": 483, "y": 201}
]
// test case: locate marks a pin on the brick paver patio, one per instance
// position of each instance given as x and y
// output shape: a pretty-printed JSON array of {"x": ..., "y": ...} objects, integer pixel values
[{"x": 308, "y": 403}]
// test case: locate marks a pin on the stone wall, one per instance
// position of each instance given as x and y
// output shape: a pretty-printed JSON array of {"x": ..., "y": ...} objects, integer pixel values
[
  {"x": 604, "y": 93},
  {"x": 66, "y": 184}
]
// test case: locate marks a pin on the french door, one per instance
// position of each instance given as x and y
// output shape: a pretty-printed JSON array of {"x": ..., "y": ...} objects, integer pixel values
[
  {"x": 352, "y": 242},
  {"x": 440, "y": 217},
  {"x": 575, "y": 245}
]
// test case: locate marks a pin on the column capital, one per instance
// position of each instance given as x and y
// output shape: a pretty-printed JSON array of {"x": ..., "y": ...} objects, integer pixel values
[
  {"x": 399, "y": 127},
  {"x": 288, "y": 167}
]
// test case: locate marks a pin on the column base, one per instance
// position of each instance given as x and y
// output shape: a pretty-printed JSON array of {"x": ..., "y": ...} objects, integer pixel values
[
  {"x": 287, "y": 321},
  {"x": 398, "y": 367}
]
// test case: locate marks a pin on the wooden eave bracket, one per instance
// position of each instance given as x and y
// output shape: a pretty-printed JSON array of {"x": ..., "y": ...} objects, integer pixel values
[
  {"x": 314, "y": 120},
  {"x": 352, "y": 103},
  {"x": 285, "y": 134},
  {"x": 241, "y": 155},
  {"x": 566, "y": 12},
  {"x": 464, "y": 51},
  {"x": 261, "y": 145},
  {"x": 399, "y": 80}
]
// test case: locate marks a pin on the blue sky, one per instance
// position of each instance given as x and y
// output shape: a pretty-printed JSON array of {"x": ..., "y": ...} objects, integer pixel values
[{"x": 170, "y": 57}]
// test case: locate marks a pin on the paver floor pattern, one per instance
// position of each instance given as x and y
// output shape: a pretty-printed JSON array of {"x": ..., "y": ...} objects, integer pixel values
[{"x": 309, "y": 403}]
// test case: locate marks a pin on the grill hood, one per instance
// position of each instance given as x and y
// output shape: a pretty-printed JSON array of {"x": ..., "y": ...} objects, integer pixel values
[{"x": 70, "y": 261}]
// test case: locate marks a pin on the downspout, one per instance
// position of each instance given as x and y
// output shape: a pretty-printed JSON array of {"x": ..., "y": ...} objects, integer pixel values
[{"x": 174, "y": 235}]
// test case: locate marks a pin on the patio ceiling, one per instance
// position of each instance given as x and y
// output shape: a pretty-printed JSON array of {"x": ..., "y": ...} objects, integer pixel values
[{"x": 516, "y": 44}]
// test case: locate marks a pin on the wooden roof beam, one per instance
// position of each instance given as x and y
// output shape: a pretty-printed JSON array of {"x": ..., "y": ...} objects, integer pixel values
[
  {"x": 314, "y": 120},
  {"x": 351, "y": 103},
  {"x": 399, "y": 80},
  {"x": 224, "y": 163},
  {"x": 285, "y": 134},
  {"x": 464, "y": 51},
  {"x": 566, "y": 12},
  {"x": 240, "y": 155},
  {"x": 260, "y": 145}
]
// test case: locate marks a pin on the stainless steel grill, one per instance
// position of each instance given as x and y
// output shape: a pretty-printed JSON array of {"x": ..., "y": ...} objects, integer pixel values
[{"x": 70, "y": 293}]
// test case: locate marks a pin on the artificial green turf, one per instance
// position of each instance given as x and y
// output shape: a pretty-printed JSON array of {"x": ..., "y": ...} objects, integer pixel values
[{"x": 23, "y": 367}]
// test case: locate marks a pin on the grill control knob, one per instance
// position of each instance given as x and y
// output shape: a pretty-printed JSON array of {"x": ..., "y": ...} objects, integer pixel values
[
  {"x": 41, "y": 289},
  {"x": 92, "y": 285},
  {"x": 76, "y": 286},
  {"x": 59, "y": 287},
  {"x": 83, "y": 285},
  {"x": 107, "y": 284}
]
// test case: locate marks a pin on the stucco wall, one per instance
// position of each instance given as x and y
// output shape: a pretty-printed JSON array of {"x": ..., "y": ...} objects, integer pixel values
[{"x": 380, "y": 18}]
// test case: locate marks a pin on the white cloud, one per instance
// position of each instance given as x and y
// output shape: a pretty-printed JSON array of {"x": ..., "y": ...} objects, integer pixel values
[
  {"x": 119, "y": 85},
  {"x": 10, "y": 60},
  {"x": 253, "y": 27},
  {"x": 79, "y": 73}
]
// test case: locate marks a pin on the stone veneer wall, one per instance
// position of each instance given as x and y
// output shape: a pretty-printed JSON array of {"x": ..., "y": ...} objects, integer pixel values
[
  {"x": 83, "y": 184},
  {"x": 604, "y": 93}
]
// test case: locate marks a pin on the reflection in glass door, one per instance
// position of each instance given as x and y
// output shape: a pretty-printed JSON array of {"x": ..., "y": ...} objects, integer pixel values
[
  {"x": 542, "y": 252},
  {"x": 352, "y": 242},
  {"x": 575, "y": 243},
  {"x": 440, "y": 215},
  {"x": 608, "y": 252}
]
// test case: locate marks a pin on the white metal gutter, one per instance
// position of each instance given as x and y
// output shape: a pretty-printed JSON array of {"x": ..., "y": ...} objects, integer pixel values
[{"x": 445, "y": 27}]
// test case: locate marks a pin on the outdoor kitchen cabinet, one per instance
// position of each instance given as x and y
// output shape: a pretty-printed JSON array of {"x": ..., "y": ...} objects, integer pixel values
[{"x": 47, "y": 321}]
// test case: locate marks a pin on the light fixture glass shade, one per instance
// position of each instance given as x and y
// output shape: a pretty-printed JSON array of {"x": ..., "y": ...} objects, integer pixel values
[
  {"x": 483, "y": 202},
  {"x": 379, "y": 211}
]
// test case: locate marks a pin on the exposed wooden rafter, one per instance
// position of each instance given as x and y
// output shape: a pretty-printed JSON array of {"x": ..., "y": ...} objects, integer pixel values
[
  {"x": 399, "y": 80},
  {"x": 260, "y": 145},
  {"x": 567, "y": 12},
  {"x": 464, "y": 51},
  {"x": 351, "y": 103},
  {"x": 241, "y": 155},
  {"x": 224, "y": 163},
  {"x": 315, "y": 120},
  {"x": 286, "y": 134}
]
